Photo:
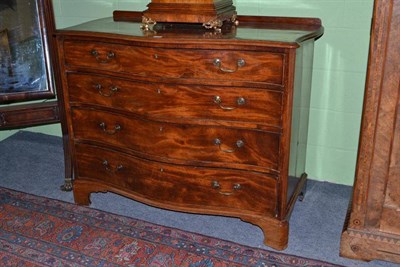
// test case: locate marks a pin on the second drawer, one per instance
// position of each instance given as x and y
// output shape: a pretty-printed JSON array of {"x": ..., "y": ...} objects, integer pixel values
[
  {"x": 161, "y": 100},
  {"x": 187, "y": 143}
]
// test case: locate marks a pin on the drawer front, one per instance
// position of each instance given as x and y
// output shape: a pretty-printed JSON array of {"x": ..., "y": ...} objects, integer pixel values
[
  {"x": 177, "y": 141},
  {"x": 181, "y": 186},
  {"x": 178, "y": 101},
  {"x": 177, "y": 63}
]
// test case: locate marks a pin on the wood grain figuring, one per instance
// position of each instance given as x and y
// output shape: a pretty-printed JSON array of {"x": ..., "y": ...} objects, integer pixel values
[
  {"x": 184, "y": 186},
  {"x": 176, "y": 63},
  {"x": 27, "y": 115},
  {"x": 190, "y": 143},
  {"x": 372, "y": 230},
  {"x": 176, "y": 102},
  {"x": 188, "y": 121}
]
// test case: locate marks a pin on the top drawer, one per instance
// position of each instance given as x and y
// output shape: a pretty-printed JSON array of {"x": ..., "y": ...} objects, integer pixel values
[{"x": 177, "y": 63}]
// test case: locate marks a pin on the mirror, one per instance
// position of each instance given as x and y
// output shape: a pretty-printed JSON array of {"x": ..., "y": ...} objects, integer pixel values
[
  {"x": 24, "y": 59},
  {"x": 25, "y": 65}
]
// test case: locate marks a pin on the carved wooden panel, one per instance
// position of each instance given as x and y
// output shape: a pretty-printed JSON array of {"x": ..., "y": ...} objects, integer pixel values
[
  {"x": 390, "y": 221},
  {"x": 372, "y": 230}
]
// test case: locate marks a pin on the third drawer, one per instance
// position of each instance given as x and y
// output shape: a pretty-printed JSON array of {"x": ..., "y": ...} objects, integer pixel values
[{"x": 215, "y": 145}]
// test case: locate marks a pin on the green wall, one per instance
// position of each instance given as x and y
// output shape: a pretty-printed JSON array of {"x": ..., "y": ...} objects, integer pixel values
[{"x": 338, "y": 76}]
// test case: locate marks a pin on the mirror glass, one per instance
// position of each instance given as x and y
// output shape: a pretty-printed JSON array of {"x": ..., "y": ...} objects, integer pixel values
[{"x": 24, "y": 64}]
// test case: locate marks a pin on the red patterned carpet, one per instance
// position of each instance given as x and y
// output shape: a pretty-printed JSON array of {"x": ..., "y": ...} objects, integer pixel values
[{"x": 37, "y": 231}]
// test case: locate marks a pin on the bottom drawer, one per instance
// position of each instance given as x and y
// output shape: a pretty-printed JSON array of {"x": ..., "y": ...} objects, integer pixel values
[{"x": 188, "y": 187}]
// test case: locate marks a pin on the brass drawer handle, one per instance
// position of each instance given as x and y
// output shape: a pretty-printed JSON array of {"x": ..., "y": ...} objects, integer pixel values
[
  {"x": 112, "y": 90},
  {"x": 116, "y": 129},
  {"x": 218, "y": 63},
  {"x": 108, "y": 167},
  {"x": 110, "y": 56},
  {"x": 240, "y": 101},
  {"x": 218, "y": 142},
  {"x": 217, "y": 186}
]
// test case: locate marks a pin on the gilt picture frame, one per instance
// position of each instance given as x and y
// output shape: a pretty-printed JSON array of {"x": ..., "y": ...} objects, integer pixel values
[{"x": 25, "y": 66}]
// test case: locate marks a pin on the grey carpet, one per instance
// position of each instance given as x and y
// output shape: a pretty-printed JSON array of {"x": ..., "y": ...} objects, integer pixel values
[{"x": 33, "y": 163}]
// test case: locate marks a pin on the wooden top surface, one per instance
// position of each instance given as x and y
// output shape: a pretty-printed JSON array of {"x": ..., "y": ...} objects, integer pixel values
[{"x": 277, "y": 31}]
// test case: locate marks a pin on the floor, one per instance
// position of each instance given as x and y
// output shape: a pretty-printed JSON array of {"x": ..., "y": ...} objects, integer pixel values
[{"x": 33, "y": 163}]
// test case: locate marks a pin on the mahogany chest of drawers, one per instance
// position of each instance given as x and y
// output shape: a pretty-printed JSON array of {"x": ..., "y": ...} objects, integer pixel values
[{"x": 188, "y": 119}]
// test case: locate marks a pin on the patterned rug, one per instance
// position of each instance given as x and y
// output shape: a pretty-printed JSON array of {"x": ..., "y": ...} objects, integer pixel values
[{"x": 37, "y": 231}]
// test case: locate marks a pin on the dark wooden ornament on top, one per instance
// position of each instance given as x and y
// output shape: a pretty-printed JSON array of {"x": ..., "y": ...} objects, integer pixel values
[{"x": 212, "y": 14}]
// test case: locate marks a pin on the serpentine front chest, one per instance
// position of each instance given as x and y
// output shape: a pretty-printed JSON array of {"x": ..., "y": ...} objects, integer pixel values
[{"x": 188, "y": 119}]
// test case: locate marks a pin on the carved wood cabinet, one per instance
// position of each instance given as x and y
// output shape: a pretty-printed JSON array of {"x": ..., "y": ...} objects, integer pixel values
[
  {"x": 372, "y": 230},
  {"x": 189, "y": 119}
]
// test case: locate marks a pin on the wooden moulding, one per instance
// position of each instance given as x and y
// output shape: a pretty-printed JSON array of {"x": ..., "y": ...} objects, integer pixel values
[
  {"x": 210, "y": 13},
  {"x": 297, "y": 23}
]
